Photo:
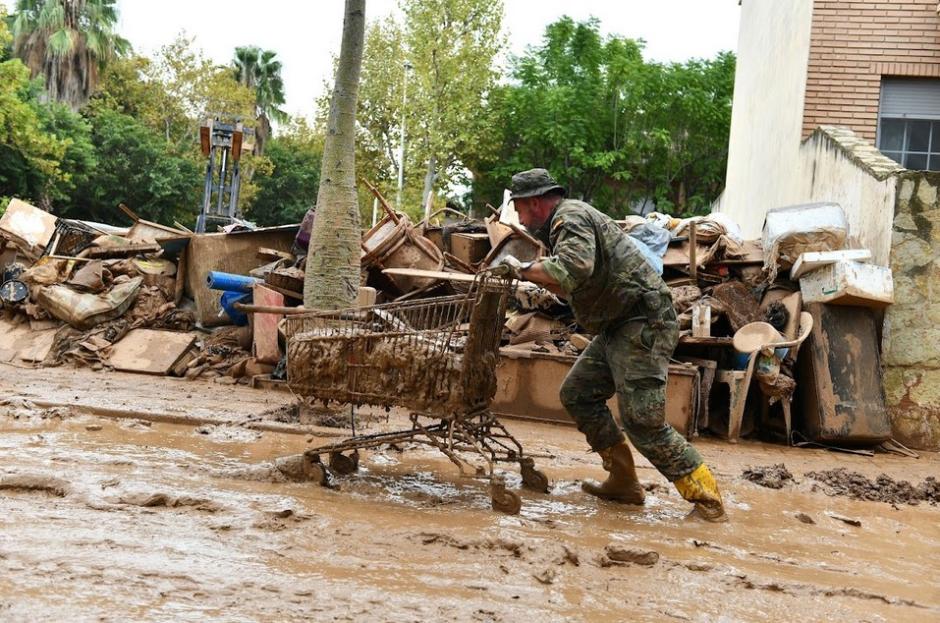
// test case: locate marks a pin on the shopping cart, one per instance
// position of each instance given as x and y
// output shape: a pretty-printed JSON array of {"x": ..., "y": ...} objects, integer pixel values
[{"x": 436, "y": 358}]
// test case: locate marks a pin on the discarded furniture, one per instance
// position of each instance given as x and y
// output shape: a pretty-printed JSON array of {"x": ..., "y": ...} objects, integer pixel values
[{"x": 839, "y": 378}]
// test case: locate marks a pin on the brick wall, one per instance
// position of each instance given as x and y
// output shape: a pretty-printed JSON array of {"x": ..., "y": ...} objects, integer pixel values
[{"x": 853, "y": 44}]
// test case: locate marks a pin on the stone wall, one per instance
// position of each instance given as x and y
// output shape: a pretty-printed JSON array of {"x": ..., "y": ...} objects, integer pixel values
[{"x": 911, "y": 346}]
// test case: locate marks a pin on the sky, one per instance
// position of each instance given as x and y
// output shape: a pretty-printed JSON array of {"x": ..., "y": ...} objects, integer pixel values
[{"x": 306, "y": 34}]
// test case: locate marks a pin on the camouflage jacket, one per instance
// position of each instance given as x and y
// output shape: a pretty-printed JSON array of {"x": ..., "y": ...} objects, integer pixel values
[{"x": 605, "y": 275}]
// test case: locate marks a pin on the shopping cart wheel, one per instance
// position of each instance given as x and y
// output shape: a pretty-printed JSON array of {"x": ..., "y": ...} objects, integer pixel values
[
  {"x": 315, "y": 471},
  {"x": 532, "y": 478},
  {"x": 344, "y": 465},
  {"x": 504, "y": 500}
]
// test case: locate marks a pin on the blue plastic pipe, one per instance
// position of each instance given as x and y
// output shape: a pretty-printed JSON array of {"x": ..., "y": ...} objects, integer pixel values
[{"x": 230, "y": 282}]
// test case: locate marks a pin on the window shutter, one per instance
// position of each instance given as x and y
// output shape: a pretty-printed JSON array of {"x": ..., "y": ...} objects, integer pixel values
[{"x": 910, "y": 98}]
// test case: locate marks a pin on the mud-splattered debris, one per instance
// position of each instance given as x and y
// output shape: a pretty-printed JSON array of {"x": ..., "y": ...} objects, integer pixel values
[
  {"x": 655, "y": 487},
  {"x": 774, "y": 476},
  {"x": 546, "y": 576},
  {"x": 805, "y": 518},
  {"x": 570, "y": 556},
  {"x": 301, "y": 468},
  {"x": 289, "y": 413},
  {"x": 93, "y": 427},
  {"x": 841, "y": 481},
  {"x": 847, "y": 520},
  {"x": 620, "y": 553},
  {"x": 166, "y": 500},
  {"x": 23, "y": 409},
  {"x": 516, "y": 548},
  {"x": 34, "y": 483}
]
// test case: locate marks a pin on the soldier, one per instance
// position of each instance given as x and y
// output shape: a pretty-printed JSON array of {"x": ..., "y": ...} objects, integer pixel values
[{"x": 623, "y": 301}]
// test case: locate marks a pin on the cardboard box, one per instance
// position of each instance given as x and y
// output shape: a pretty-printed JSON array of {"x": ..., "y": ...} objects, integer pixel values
[{"x": 849, "y": 283}]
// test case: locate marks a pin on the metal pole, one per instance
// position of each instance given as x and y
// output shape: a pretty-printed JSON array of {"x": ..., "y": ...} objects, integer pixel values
[
  {"x": 375, "y": 210},
  {"x": 401, "y": 143}
]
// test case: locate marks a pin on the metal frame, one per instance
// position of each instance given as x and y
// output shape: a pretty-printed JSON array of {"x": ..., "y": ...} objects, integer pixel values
[{"x": 344, "y": 356}]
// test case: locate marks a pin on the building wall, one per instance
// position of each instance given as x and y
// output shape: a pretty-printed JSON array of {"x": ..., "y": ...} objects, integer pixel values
[
  {"x": 767, "y": 116},
  {"x": 911, "y": 348},
  {"x": 854, "y": 44},
  {"x": 837, "y": 165}
]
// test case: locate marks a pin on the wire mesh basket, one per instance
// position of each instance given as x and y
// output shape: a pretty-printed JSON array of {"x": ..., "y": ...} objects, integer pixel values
[{"x": 434, "y": 355}]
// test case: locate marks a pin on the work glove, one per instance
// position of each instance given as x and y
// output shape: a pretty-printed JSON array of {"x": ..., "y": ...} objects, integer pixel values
[{"x": 511, "y": 266}]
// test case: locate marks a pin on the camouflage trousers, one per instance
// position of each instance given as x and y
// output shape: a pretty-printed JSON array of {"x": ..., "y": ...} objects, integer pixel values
[{"x": 631, "y": 360}]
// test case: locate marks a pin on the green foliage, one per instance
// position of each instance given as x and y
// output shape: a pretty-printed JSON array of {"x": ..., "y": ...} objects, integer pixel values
[
  {"x": 451, "y": 46},
  {"x": 614, "y": 129},
  {"x": 285, "y": 194},
  {"x": 30, "y": 156},
  {"x": 78, "y": 161},
  {"x": 67, "y": 42},
  {"x": 260, "y": 71},
  {"x": 6, "y": 37},
  {"x": 134, "y": 167}
]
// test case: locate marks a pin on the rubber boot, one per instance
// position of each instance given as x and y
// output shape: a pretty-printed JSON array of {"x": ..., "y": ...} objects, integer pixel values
[
  {"x": 622, "y": 485},
  {"x": 700, "y": 488}
]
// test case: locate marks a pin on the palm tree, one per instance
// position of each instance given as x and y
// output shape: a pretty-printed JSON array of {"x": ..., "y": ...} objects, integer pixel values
[
  {"x": 67, "y": 42},
  {"x": 332, "y": 277},
  {"x": 260, "y": 71}
]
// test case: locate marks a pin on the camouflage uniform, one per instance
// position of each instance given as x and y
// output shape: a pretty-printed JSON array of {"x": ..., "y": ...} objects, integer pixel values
[{"x": 618, "y": 296}]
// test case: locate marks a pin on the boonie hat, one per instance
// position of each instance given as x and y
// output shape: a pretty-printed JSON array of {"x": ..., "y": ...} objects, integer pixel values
[{"x": 533, "y": 183}]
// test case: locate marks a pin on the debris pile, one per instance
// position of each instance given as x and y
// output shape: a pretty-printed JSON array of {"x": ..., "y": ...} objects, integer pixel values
[
  {"x": 744, "y": 306},
  {"x": 105, "y": 297},
  {"x": 843, "y": 482}
]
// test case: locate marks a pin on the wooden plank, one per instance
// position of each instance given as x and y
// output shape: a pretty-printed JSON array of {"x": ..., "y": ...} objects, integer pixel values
[
  {"x": 264, "y": 334},
  {"x": 150, "y": 351},
  {"x": 122, "y": 251},
  {"x": 40, "y": 346},
  {"x": 705, "y": 341},
  {"x": 265, "y": 309},
  {"x": 808, "y": 262},
  {"x": 430, "y": 274}
]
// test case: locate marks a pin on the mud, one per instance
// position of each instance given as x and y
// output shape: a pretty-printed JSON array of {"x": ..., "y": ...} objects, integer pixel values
[
  {"x": 883, "y": 488},
  {"x": 151, "y": 520},
  {"x": 771, "y": 476}
]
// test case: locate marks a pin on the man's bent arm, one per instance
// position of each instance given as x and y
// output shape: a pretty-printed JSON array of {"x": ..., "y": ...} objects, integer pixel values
[{"x": 537, "y": 274}]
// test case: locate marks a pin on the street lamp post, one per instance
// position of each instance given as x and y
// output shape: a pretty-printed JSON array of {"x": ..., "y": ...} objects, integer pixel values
[{"x": 401, "y": 144}]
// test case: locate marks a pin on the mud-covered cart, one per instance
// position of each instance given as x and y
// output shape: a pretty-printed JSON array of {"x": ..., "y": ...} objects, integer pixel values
[{"x": 435, "y": 357}]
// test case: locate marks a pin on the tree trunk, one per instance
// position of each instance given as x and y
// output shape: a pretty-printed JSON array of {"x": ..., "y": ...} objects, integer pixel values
[
  {"x": 333, "y": 264},
  {"x": 430, "y": 176}
]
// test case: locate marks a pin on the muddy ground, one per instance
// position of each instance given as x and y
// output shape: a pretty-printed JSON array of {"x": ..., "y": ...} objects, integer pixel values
[{"x": 172, "y": 516}]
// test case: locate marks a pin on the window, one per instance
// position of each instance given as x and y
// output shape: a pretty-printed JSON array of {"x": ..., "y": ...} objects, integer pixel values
[{"x": 909, "y": 122}]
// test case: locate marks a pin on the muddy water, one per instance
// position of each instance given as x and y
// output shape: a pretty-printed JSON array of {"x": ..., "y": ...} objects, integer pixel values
[{"x": 111, "y": 519}]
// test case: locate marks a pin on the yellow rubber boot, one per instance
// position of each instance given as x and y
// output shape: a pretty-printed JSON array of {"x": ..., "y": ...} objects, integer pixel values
[
  {"x": 622, "y": 485},
  {"x": 700, "y": 488}
]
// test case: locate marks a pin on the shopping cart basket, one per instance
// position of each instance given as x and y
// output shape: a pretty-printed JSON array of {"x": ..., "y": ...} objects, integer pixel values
[{"x": 435, "y": 357}]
